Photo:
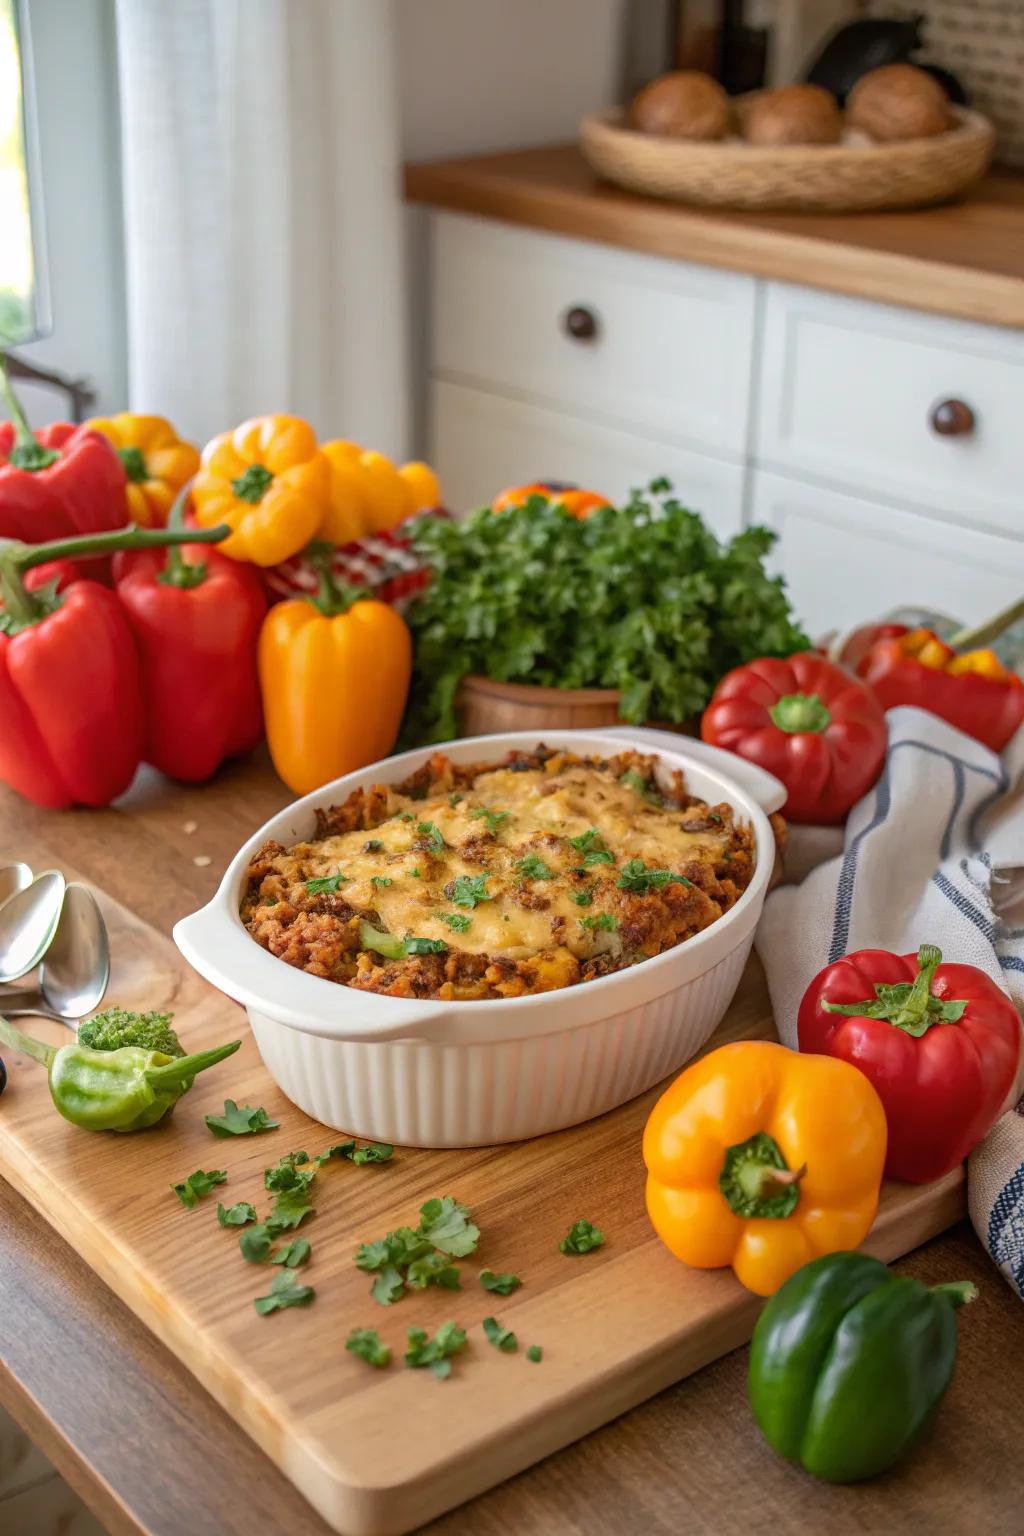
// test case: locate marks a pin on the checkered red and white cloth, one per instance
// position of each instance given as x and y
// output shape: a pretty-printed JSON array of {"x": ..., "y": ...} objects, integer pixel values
[{"x": 384, "y": 562}]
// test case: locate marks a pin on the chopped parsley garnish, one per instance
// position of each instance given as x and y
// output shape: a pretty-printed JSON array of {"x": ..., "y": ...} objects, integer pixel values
[
  {"x": 415, "y": 874},
  {"x": 433, "y": 1269},
  {"x": 532, "y": 867},
  {"x": 492, "y": 818},
  {"x": 255, "y": 1243},
  {"x": 582, "y": 1237},
  {"x": 635, "y": 780},
  {"x": 714, "y": 816},
  {"x": 365, "y": 1342},
  {"x": 501, "y": 1338},
  {"x": 236, "y": 1215},
  {"x": 393, "y": 948},
  {"x": 501, "y": 1285},
  {"x": 602, "y": 921},
  {"x": 635, "y": 876},
  {"x": 535, "y": 1353},
  {"x": 458, "y": 922},
  {"x": 583, "y": 898},
  {"x": 295, "y": 1253},
  {"x": 289, "y": 1210},
  {"x": 286, "y": 1290},
  {"x": 372, "y": 1152},
  {"x": 447, "y": 1224},
  {"x": 380, "y": 880},
  {"x": 454, "y": 800},
  {"x": 328, "y": 886},
  {"x": 373, "y": 845},
  {"x": 198, "y": 1185},
  {"x": 294, "y": 1171},
  {"x": 240, "y": 1120},
  {"x": 425, "y": 946},
  {"x": 467, "y": 890},
  {"x": 423, "y": 1256},
  {"x": 406, "y": 816},
  {"x": 388, "y": 1286},
  {"x": 432, "y": 833},
  {"x": 435, "y": 1353}
]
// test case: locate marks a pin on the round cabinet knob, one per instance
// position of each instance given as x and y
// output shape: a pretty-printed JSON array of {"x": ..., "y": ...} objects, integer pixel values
[
  {"x": 951, "y": 418},
  {"x": 580, "y": 323}
]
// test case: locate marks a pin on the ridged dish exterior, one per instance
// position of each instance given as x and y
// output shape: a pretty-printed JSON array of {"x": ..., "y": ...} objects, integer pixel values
[{"x": 427, "y": 1094}]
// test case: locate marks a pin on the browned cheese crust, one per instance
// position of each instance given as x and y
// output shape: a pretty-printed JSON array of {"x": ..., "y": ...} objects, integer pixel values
[{"x": 499, "y": 879}]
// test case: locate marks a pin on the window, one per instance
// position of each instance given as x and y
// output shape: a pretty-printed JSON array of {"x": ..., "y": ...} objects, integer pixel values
[{"x": 24, "y": 310}]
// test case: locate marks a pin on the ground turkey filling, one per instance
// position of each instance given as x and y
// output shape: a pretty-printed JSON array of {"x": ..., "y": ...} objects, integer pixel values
[{"x": 499, "y": 879}]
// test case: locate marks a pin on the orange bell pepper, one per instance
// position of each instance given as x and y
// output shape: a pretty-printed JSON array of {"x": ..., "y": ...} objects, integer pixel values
[
  {"x": 764, "y": 1159},
  {"x": 334, "y": 674},
  {"x": 157, "y": 463},
  {"x": 580, "y": 503},
  {"x": 370, "y": 495},
  {"x": 269, "y": 482}
]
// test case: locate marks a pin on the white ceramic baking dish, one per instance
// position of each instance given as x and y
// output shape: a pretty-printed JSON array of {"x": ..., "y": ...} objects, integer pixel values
[{"x": 453, "y": 1074}]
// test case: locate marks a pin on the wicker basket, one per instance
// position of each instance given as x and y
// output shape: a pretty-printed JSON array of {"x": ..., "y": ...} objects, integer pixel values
[{"x": 825, "y": 177}]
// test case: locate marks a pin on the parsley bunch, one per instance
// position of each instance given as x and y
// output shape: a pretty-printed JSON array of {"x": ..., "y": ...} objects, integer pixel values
[{"x": 642, "y": 598}]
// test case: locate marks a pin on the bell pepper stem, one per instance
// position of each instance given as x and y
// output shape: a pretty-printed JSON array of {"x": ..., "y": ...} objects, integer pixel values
[
  {"x": 185, "y": 1068},
  {"x": 800, "y": 713},
  {"x": 912, "y": 1007},
  {"x": 959, "y": 1292},
  {"x": 37, "y": 1049},
  {"x": 22, "y": 557},
  {"x": 28, "y": 452},
  {"x": 332, "y": 596},
  {"x": 989, "y": 629},
  {"x": 177, "y": 572}
]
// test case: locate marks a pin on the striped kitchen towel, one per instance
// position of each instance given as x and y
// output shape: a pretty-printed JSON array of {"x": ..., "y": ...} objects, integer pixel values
[{"x": 933, "y": 854}]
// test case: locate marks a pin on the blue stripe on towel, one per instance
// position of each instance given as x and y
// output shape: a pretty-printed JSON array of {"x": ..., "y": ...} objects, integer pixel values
[
  {"x": 980, "y": 919},
  {"x": 1005, "y": 1240}
]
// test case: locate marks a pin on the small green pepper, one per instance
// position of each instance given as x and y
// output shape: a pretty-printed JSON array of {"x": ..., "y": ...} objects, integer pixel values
[
  {"x": 848, "y": 1363},
  {"x": 124, "y": 1090}
]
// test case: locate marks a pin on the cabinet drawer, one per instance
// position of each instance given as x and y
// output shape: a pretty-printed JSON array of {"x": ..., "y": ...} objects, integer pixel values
[
  {"x": 847, "y": 560},
  {"x": 481, "y": 443},
  {"x": 672, "y": 347},
  {"x": 848, "y": 390}
]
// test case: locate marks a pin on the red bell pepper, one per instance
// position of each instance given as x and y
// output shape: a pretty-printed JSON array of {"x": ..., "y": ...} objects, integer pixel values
[
  {"x": 71, "y": 708},
  {"x": 940, "y": 1043},
  {"x": 807, "y": 721},
  {"x": 58, "y": 482},
  {"x": 196, "y": 616},
  {"x": 973, "y": 692}
]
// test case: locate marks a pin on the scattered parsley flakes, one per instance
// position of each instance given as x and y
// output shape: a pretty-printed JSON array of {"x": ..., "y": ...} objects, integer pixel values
[
  {"x": 254, "y": 1244},
  {"x": 372, "y": 1152},
  {"x": 454, "y": 800},
  {"x": 236, "y": 1215},
  {"x": 240, "y": 1120},
  {"x": 502, "y": 1338},
  {"x": 582, "y": 1237},
  {"x": 535, "y": 1353},
  {"x": 435, "y": 1353},
  {"x": 373, "y": 845},
  {"x": 433, "y": 835},
  {"x": 602, "y": 921},
  {"x": 533, "y": 867},
  {"x": 286, "y": 1290},
  {"x": 294, "y": 1171},
  {"x": 420, "y": 1257},
  {"x": 635, "y": 780},
  {"x": 583, "y": 898},
  {"x": 446, "y": 1223},
  {"x": 501, "y": 1285},
  {"x": 198, "y": 1185},
  {"x": 458, "y": 922},
  {"x": 380, "y": 880},
  {"x": 425, "y": 946},
  {"x": 635, "y": 876},
  {"x": 366, "y": 1344},
  {"x": 289, "y": 1210},
  {"x": 433, "y": 1269},
  {"x": 415, "y": 874},
  {"x": 388, "y": 1286},
  {"x": 328, "y": 886},
  {"x": 406, "y": 816},
  {"x": 467, "y": 890},
  {"x": 492, "y": 818},
  {"x": 295, "y": 1253}
]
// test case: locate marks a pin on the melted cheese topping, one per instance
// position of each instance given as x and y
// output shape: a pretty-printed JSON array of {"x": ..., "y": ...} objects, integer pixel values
[{"x": 410, "y": 885}]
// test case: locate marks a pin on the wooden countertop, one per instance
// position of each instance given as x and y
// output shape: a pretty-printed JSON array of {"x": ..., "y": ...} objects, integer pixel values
[
  {"x": 964, "y": 259},
  {"x": 154, "y": 1455}
]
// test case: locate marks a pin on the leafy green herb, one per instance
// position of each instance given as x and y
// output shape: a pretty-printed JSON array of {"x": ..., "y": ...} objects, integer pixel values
[
  {"x": 294, "y": 1171},
  {"x": 433, "y": 835},
  {"x": 447, "y": 1224},
  {"x": 406, "y": 816},
  {"x": 433, "y": 1269},
  {"x": 425, "y": 946},
  {"x": 388, "y": 1286},
  {"x": 445, "y": 1231},
  {"x": 458, "y": 922},
  {"x": 415, "y": 874},
  {"x": 633, "y": 779},
  {"x": 236, "y": 1215},
  {"x": 532, "y": 867},
  {"x": 240, "y": 1120},
  {"x": 115, "y": 1027},
  {"x": 255, "y": 1243},
  {"x": 593, "y": 848},
  {"x": 454, "y": 800},
  {"x": 372, "y": 1152},
  {"x": 286, "y": 1290},
  {"x": 328, "y": 886},
  {"x": 297, "y": 1252},
  {"x": 380, "y": 880},
  {"x": 435, "y": 1353},
  {"x": 583, "y": 898},
  {"x": 582, "y": 1237},
  {"x": 669, "y": 609},
  {"x": 603, "y": 922},
  {"x": 492, "y": 818},
  {"x": 198, "y": 1185},
  {"x": 535, "y": 1353},
  {"x": 501, "y": 1285},
  {"x": 393, "y": 948},
  {"x": 365, "y": 1342},
  {"x": 635, "y": 876},
  {"x": 289, "y": 1210},
  {"x": 501, "y": 1338},
  {"x": 373, "y": 845},
  {"x": 468, "y": 890}
]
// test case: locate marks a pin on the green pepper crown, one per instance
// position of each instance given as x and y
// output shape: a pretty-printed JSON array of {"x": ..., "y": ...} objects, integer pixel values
[
  {"x": 28, "y": 452},
  {"x": 252, "y": 484},
  {"x": 756, "y": 1180},
  {"x": 798, "y": 713},
  {"x": 332, "y": 597},
  {"x": 179, "y": 572},
  {"x": 134, "y": 462},
  {"x": 910, "y": 1006}
]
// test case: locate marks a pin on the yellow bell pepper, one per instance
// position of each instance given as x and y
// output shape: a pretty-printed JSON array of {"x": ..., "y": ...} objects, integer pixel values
[
  {"x": 368, "y": 493},
  {"x": 157, "y": 463},
  {"x": 983, "y": 663},
  {"x": 334, "y": 673},
  {"x": 348, "y": 515},
  {"x": 763, "y": 1158},
  {"x": 269, "y": 482},
  {"x": 421, "y": 484}
]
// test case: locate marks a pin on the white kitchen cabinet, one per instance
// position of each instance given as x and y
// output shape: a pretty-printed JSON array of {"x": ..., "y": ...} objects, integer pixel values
[
  {"x": 482, "y": 442},
  {"x": 846, "y": 559}
]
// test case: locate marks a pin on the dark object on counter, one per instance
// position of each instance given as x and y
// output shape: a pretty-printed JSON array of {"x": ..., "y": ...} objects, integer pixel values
[
  {"x": 3, "y": 1076},
  {"x": 849, "y": 1362},
  {"x": 868, "y": 44}
]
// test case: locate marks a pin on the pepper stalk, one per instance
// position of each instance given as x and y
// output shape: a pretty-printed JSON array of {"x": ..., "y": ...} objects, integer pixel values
[{"x": 28, "y": 452}]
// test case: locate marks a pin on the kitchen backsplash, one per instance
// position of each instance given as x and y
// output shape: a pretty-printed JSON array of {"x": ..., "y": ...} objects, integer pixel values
[{"x": 982, "y": 42}]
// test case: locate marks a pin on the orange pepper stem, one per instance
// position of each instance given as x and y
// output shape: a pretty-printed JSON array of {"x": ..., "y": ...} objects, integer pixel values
[
  {"x": 756, "y": 1181},
  {"x": 332, "y": 596}
]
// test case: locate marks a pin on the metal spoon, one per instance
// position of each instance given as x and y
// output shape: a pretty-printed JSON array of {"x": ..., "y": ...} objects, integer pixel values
[
  {"x": 74, "y": 974},
  {"x": 28, "y": 923},
  {"x": 13, "y": 878}
]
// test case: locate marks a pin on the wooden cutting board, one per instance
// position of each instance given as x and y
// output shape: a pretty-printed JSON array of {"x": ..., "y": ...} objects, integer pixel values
[{"x": 381, "y": 1452}]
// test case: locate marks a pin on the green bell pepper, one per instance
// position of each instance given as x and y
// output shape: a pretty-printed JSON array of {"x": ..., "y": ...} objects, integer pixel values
[
  {"x": 128, "y": 1089},
  {"x": 848, "y": 1363}
]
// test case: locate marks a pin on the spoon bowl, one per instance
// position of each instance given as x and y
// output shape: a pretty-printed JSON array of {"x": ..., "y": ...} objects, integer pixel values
[
  {"x": 14, "y": 877},
  {"x": 28, "y": 923},
  {"x": 75, "y": 971}
]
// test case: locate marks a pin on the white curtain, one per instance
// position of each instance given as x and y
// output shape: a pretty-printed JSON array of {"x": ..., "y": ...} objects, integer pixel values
[{"x": 263, "y": 215}]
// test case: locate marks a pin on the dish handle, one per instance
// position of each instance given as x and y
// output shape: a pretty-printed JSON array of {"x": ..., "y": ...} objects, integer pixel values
[{"x": 759, "y": 784}]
